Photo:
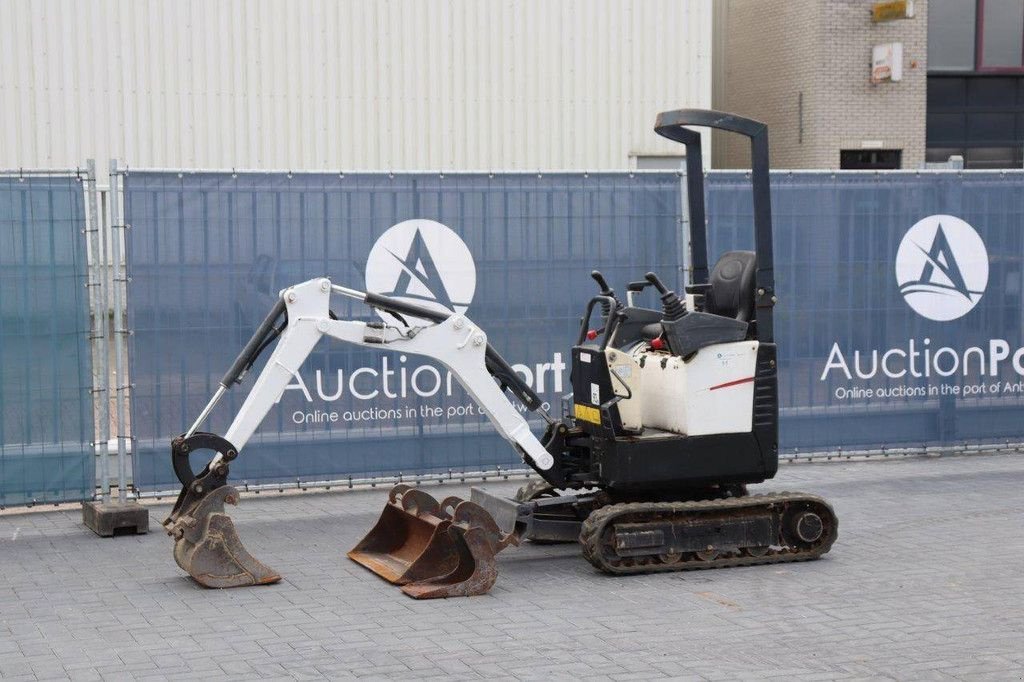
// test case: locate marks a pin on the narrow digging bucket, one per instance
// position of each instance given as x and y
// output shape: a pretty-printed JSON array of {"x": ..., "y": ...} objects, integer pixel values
[
  {"x": 433, "y": 549},
  {"x": 207, "y": 546}
]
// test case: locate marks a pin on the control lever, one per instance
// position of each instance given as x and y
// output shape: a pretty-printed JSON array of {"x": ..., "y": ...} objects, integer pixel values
[
  {"x": 672, "y": 306},
  {"x": 606, "y": 290}
]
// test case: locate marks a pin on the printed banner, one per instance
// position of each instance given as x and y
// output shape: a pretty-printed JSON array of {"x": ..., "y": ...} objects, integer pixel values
[
  {"x": 46, "y": 406},
  {"x": 900, "y": 313},
  {"x": 209, "y": 253},
  {"x": 899, "y": 320}
]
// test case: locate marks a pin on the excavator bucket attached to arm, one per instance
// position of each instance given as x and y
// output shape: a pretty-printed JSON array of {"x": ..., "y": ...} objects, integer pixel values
[
  {"x": 206, "y": 545},
  {"x": 433, "y": 549}
]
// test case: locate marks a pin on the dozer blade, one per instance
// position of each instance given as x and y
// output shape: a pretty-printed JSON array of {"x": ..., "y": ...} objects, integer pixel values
[
  {"x": 207, "y": 546},
  {"x": 433, "y": 549}
]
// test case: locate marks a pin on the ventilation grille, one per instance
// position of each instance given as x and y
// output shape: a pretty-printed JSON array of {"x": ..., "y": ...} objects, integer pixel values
[{"x": 766, "y": 391}]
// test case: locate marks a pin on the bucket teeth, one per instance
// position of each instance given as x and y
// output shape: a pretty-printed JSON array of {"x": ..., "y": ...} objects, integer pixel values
[
  {"x": 207, "y": 546},
  {"x": 433, "y": 549}
]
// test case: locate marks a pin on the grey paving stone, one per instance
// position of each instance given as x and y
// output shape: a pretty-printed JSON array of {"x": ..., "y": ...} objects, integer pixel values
[{"x": 925, "y": 582}]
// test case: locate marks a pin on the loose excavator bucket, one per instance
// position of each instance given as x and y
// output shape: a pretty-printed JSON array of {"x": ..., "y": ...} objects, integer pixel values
[
  {"x": 207, "y": 546},
  {"x": 433, "y": 549}
]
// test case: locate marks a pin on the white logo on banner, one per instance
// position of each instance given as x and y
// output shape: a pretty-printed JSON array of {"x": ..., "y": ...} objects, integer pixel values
[
  {"x": 942, "y": 267},
  {"x": 423, "y": 262}
]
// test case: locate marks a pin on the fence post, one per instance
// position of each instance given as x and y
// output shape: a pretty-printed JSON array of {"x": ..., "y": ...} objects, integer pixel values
[
  {"x": 119, "y": 281},
  {"x": 107, "y": 516},
  {"x": 99, "y": 312}
]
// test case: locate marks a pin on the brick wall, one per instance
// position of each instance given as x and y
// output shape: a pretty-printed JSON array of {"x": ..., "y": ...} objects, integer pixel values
[{"x": 770, "y": 52}]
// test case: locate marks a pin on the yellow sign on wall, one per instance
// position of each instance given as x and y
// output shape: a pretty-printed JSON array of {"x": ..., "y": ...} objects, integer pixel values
[{"x": 893, "y": 9}]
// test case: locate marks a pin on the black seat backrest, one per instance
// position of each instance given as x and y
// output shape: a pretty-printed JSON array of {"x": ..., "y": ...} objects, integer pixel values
[{"x": 732, "y": 286}]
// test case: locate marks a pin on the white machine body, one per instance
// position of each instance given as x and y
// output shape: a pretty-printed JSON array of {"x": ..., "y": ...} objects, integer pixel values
[{"x": 712, "y": 393}]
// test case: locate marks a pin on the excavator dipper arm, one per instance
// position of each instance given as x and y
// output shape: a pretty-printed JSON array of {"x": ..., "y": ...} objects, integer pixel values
[{"x": 456, "y": 342}]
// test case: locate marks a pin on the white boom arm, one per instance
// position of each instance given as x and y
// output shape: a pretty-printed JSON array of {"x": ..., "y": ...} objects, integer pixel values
[{"x": 457, "y": 343}]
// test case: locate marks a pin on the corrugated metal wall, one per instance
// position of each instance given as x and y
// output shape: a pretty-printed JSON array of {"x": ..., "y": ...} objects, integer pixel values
[{"x": 322, "y": 84}]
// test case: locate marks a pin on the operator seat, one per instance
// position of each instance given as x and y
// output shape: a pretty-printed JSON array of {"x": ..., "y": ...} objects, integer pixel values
[
  {"x": 732, "y": 286},
  {"x": 727, "y": 312}
]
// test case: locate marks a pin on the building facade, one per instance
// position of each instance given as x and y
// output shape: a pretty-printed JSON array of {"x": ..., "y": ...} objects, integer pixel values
[
  {"x": 806, "y": 69},
  {"x": 976, "y": 82},
  {"x": 323, "y": 84}
]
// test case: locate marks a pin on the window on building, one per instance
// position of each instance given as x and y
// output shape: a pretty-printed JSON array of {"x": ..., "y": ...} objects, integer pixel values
[
  {"x": 977, "y": 116},
  {"x": 940, "y": 155},
  {"x": 1001, "y": 35},
  {"x": 979, "y": 158},
  {"x": 870, "y": 159},
  {"x": 951, "y": 35},
  {"x": 976, "y": 103},
  {"x": 992, "y": 157}
]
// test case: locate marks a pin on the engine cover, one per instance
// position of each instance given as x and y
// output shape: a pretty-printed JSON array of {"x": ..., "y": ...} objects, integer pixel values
[
  {"x": 642, "y": 388},
  {"x": 658, "y": 422}
]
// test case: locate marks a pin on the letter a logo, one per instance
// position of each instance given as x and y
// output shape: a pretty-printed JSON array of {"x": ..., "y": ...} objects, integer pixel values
[
  {"x": 423, "y": 262},
  {"x": 942, "y": 267},
  {"x": 419, "y": 278}
]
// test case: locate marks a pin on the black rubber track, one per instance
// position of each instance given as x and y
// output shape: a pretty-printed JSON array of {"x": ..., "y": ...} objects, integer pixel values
[{"x": 775, "y": 503}]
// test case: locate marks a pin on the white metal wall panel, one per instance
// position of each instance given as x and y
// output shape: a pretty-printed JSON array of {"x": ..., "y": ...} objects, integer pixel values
[{"x": 324, "y": 84}]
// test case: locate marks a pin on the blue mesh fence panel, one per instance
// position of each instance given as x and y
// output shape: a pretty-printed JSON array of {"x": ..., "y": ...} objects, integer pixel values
[
  {"x": 46, "y": 420},
  {"x": 943, "y": 382},
  {"x": 209, "y": 251}
]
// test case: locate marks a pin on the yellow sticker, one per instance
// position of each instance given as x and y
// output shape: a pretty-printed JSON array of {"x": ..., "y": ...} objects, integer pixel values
[{"x": 587, "y": 413}]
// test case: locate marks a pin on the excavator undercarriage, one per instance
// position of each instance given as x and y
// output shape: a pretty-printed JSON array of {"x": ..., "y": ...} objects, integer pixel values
[{"x": 649, "y": 537}]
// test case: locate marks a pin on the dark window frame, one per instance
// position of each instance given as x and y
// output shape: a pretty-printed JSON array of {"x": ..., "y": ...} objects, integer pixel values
[
  {"x": 957, "y": 122},
  {"x": 893, "y": 153},
  {"x": 979, "y": 46}
]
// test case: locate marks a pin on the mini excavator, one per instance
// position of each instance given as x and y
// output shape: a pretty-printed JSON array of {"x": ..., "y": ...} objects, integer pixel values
[{"x": 673, "y": 412}]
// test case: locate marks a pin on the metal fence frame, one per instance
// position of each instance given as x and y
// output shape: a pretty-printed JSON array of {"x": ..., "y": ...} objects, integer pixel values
[
  {"x": 108, "y": 281},
  {"x": 99, "y": 312},
  {"x": 117, "y": 283}
]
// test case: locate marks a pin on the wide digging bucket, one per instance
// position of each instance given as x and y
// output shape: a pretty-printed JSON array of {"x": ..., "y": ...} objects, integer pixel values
[
  {"x": 207, "y": 546},
  {"x": 433, "y": 549}
]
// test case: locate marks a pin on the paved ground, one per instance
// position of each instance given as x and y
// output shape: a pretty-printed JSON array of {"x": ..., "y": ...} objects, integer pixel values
[{"x": 925, "y": 581}]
